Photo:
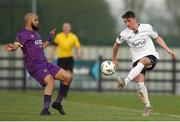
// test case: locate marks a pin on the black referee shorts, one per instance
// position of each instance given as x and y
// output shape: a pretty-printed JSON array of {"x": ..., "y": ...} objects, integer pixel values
[
  {"x": 66, "y": 63},
  {"x": 153, "y": 60}
]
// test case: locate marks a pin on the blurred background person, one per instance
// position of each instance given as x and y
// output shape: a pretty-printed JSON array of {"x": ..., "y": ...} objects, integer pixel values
[{"x": 65, "y": 42}]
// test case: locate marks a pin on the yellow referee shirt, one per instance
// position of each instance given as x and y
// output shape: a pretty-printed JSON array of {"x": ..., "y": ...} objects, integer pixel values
[{"x": 65, "y": 44}]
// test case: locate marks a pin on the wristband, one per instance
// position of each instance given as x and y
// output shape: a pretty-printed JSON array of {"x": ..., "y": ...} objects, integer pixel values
[{"x": 50, "y": 38}]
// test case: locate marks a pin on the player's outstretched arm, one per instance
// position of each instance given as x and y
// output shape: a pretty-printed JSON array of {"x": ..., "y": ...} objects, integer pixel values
[
  {"x": 162, "y": 43},
  {"x": 12, "y": 47},
  {"x": 50, "y": 39},
  {"x": 115, "y": 52}
]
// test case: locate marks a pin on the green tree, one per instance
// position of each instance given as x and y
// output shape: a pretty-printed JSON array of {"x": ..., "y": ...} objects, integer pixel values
[
  {"x": 134, "y": 5},
  {"x": 91, "y": 19},
  {"x": 173, "y": 7},
  {"x": 11, "y": 18}
]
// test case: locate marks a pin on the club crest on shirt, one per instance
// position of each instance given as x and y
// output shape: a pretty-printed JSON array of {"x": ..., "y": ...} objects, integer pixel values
[
  {"x": 119, "y": 37},
  {"x": 45, "y": 70},
  {"x": 139, "y": 43},
  {"x": 32, "y": 36}
]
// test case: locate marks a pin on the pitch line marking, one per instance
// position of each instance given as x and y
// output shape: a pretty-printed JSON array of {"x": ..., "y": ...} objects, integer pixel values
[{"x": 127, "y": 109}]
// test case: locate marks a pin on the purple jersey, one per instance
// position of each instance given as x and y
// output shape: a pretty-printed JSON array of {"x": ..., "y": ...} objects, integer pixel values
[
  {"x": 32, "y": 46},
  {"x": 36, "y": 62}
]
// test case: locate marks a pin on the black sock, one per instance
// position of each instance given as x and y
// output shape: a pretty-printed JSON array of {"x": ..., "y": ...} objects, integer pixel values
[{"x": 47, "y": 102}]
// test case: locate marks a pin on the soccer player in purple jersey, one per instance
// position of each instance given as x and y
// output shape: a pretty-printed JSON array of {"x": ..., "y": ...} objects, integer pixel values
[{"x": 29, "y": 40}]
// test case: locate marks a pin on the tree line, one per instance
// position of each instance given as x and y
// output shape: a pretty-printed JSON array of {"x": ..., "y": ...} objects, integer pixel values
[{"x": 91, "y": 20}]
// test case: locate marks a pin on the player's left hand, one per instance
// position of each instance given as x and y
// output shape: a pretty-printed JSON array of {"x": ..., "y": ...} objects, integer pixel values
[
  {"x": 53, "y": 31},
  {"x": 51, "y": 35}
]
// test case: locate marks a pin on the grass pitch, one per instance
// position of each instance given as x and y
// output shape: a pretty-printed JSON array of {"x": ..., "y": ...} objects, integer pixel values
[{"x": 87, "y": 106}]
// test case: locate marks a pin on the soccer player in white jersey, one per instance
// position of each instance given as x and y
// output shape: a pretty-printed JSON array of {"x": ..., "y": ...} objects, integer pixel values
[{"x": 144, "y": 56}]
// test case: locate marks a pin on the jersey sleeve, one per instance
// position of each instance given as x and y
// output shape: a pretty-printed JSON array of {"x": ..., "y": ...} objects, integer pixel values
[
  {"x": 22, "y": 38},
  {"x": 76, "y": 42},
  {"x": 120, "y": 39},
  {"x": 153, "y": 33}
]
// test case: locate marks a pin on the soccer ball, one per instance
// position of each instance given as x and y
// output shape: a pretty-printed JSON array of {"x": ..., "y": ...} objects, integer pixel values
[{"x": 108, "y": 68}]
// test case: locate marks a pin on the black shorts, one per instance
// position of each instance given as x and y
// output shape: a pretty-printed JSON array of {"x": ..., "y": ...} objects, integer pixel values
[
  {"x": 66, "y": 63},
  {"x": 153, "y": 60}
]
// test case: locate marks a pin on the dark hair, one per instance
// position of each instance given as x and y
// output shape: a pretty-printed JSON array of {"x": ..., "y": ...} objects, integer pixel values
[{"x": 129, "y": 14}]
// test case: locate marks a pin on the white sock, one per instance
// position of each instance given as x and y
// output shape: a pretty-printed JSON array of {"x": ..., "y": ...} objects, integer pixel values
[
  {"x": 127, "y": 80},
  {"x": 135, "y": 71},
  {"x": 143, "y": 94}
]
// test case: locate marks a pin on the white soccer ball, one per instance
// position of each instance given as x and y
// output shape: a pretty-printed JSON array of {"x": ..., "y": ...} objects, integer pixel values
[{"x": 108, "y": 68}]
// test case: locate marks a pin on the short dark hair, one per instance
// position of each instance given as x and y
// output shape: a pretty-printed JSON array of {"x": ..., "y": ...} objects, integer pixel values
[{"x": 129, "y": 14}]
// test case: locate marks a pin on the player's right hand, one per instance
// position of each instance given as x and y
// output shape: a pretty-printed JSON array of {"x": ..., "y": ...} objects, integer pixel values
[
  {"x": 172, "y": 53},
  {"x": 8, "y": 47},
  {"x": 116, "y": 63}
]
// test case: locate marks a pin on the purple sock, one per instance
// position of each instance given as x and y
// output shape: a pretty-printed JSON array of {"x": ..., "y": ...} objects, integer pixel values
[
  {"x": 47, "y": 102},
  {"x": 62, "y": 92}
]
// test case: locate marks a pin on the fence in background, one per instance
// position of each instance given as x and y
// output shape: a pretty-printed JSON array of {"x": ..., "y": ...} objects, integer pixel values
[
  {"x": 12, "y": 76},
  {"x": 163, "y": 79}
]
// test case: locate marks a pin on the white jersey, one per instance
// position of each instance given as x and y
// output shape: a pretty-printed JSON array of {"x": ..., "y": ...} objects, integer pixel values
[{"x": 141, "y": 43}]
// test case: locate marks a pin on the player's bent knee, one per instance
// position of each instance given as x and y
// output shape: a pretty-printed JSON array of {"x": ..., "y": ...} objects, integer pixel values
[
  {"x": 68, "y": 79},
  {"x": 49, "y": 81},
  {"x": 146, "y": 61},
  {"x": 64, "y": 76},
  {"x": 50, "y": 84}
]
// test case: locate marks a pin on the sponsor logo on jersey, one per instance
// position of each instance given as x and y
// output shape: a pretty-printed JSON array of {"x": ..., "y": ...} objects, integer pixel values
[
  {"x": 129, "y": 37},
  {"x": 38, "y": 42},
  {"x": 139, "y": 43}
]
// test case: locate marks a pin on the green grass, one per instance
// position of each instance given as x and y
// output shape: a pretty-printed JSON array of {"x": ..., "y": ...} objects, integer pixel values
[{"x": 17, "y": 105}]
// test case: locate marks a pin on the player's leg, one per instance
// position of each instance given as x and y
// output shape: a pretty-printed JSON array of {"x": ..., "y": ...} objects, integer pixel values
[
  {"x": 48, "y": 90},
  {"x": 64, "y": 88},
  {"x": 143, "y": 93},
  {"x": 142, "y": 63},
  {"x": 65, "y": 78},
  {"x": 136, "y": 70},
  {"x": 67, "y": 64},
  {"x": 42, "y": 75}
]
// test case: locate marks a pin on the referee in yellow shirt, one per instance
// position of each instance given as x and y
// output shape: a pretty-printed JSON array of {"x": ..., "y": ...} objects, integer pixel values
[{"x": 65, "y": 42}]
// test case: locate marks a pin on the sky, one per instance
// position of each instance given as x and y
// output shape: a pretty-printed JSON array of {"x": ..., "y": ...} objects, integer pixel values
[
  {"x": 158, "y": 8},
  {"x": 117, "y": 5}
]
